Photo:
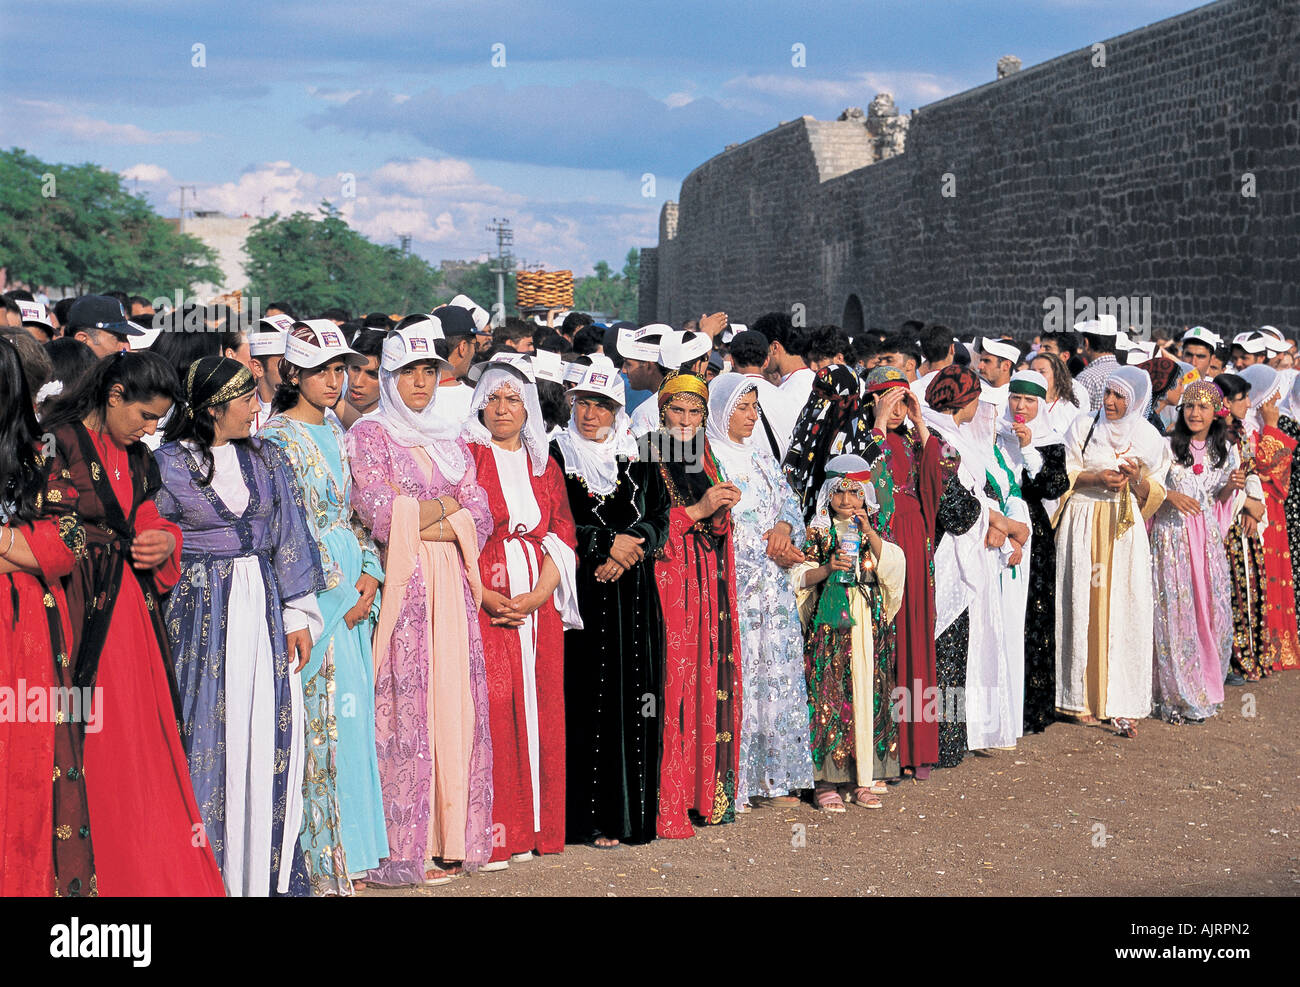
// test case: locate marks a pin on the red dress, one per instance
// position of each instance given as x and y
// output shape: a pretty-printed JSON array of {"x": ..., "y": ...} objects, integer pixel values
[
  {"x": 148, "y": 831},
  {"x": 36, "y": 754},
  {"x": 917, "y": 486},
  {"x": 1273, "y": 452},
  {"x": 515, "y": 815},
  {"x": 702, "y": 691}
]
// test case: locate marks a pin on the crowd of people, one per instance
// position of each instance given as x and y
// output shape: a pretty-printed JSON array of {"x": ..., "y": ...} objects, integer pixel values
[{"x": 293, "y": 606}]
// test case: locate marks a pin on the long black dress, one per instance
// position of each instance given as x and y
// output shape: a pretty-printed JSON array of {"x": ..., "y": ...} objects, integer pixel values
[
  {"x": 1049, "y": 483},
  {"x": 1291, "y": 506},
  {"x": 958, "y": 510},
  {"x": 613, "y": 667}
]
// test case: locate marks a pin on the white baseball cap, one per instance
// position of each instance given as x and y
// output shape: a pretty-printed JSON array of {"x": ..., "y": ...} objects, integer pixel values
[
  {"x": 316, "y": 342},
  {"x": 679, "y": 348},
  {"x": 602, "y": 378},
  {"x": 413, "y": 343}
]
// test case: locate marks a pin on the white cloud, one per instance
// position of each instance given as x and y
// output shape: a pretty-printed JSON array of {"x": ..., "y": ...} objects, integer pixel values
[
  {"x": 25, "y": 117},
  {"x": 857, "y": 89},
  {"x": 441, "y": 203},
  {"x": 674, "y": 100}
]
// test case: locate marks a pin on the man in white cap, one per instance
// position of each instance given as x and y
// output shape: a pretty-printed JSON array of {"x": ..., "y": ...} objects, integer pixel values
[
  {"x": 1249, "y": 348},
  {"x": 639, "y": 349},
  {"x": 684, "y": 352},
  {"x": 482, "y": 321},
  {"x": 1280, "y": 350},
  {"x": 1099, "y": 341},
  {"x": 36, "y": 320},
  {"x": 1199, "y": 345},
  {"x": 998, "y": 358},
  {"x": 265, "y": 350},
  {"x": 460, "y": 333}
]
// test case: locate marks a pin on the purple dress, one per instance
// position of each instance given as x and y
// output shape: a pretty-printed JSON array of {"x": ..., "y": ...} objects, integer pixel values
[{"x": 431, "y": 703}]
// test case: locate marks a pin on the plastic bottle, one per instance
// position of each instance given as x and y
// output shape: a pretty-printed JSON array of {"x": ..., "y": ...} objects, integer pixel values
[{"x": 851, "y": 544}]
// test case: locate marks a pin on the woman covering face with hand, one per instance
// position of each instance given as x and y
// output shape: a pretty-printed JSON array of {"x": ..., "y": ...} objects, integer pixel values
[
  {"x": 612, "y": 665},
  {"x": 529, "y": 574},
  {"x": 241, "y": 622}
]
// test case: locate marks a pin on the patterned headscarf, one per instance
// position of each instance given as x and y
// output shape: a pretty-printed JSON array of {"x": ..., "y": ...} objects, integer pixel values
[
  {"x": 682, "y": 383},
  {"x": 1164, "y": 374},
  {"x": 952, "y": 388},
  {"x": 1203, "y": 392},
  {"x": 883, "y": 378},
  {"x": 214, "y": 380},
  {"x": 830, "y": 420}
]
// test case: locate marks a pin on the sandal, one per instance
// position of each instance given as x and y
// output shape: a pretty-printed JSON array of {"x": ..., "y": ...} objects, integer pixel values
[
  {"x": 864, "y": 799},
  {"x": 828, "y": 800},
  {"x": 1124, "y": 727},
  {"x": 608, "y": 844},
  {"x": 879, "y": 787}
]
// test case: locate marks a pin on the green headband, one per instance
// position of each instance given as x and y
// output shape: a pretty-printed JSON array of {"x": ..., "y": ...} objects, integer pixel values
[{"x": 1026, "y": 387}]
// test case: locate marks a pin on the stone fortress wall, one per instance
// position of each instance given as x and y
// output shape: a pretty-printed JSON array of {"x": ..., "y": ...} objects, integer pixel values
[{"x": 1119, "y": 180}]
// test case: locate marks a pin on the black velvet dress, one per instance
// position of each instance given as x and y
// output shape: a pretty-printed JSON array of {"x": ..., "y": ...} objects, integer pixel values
[
  {"x": 1291, "y": 506},
  {"x": 959, "y": 509},
  {"x": 1040, "y": 614},
  {"x": 613, "y": 666}
]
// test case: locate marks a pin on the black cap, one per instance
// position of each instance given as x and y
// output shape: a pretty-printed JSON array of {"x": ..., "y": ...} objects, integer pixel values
[
  {"x": 101, "y": 312},
  {"x": 610, "y": 345},
  {"x": 456, "y": 321}
]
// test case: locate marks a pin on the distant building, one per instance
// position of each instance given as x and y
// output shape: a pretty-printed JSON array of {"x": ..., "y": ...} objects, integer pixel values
[{"x": 225, "y": 235}]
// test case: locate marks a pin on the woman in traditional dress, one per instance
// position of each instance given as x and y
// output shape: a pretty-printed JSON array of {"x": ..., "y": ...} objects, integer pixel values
[
  {"x": 1193, "y": 620},
  {"x": 849, "y": 654},
  {"x": 149, "y": 832},
  {"x": 831, "y": 424},
  {"x": 775, "y": 757},
  {"x": 529, "y": 574},
  {"x": 972, "y": 546},
  {"x": 45, "y": 845},
  {"x": 1240, "y": 521},
  {"x": 702, "y": 678},
  {"x": 1104, "y": 633},
  {"x": 241, "y": 621},
  {"x": 1273, "y": 450},
  {"x": 343, "y": 830},
  {"x": 1289, "y": 424},
  {"x": 416, "y": 492},
  {"x": 1035, "y": 451},
  {"x": 613, "y": 663}
]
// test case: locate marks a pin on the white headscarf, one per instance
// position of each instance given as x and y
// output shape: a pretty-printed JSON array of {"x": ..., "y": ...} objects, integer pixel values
[
  {"x": 725, "y": 392},
  {"x": 1040, "y": 426},
  {"x": 842, "y": 465},
  {"x": 1264, "y": 383},
  {"x": 596, "y": 462},
  {"x": 1290, "y": 403},
  {"x": 534, "y": 431},
  {"x": 428, "y": 429},
  {"x": 1134, "y": 385}
]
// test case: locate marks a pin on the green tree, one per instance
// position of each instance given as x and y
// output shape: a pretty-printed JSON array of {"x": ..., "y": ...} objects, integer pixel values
[
  {"x": 615, "y": 295},
  {"x": 76, "y": 226},
  {"x": 319, "y": 263}
]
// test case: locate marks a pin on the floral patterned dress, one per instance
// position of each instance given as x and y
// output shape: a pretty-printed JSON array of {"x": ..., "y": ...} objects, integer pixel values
[
  {"x": 343, "y": 830},
  {"x": 775, "y": 758},
  {"x": 1193, "y": 619}
]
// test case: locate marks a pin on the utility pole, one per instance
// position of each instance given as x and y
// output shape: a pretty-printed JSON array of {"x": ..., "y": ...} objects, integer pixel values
[
  {"x": 196, "y": 195},
  {"x": 505, "y": 263},
  {"x": 404, "y": 241}
]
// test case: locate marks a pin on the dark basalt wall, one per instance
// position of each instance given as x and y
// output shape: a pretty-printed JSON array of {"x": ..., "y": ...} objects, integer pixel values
[{"x": 1117, "y": 180}]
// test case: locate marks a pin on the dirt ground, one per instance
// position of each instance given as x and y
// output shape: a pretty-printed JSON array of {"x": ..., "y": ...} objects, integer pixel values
[{"x": 1208, "y": 809}]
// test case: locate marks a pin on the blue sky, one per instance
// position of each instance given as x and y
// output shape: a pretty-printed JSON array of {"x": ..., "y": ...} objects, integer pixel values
[{"x": 404, "y": 97}]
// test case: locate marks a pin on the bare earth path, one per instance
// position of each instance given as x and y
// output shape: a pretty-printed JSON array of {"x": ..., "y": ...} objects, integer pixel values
[{"x": 1187, "y": 810}]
